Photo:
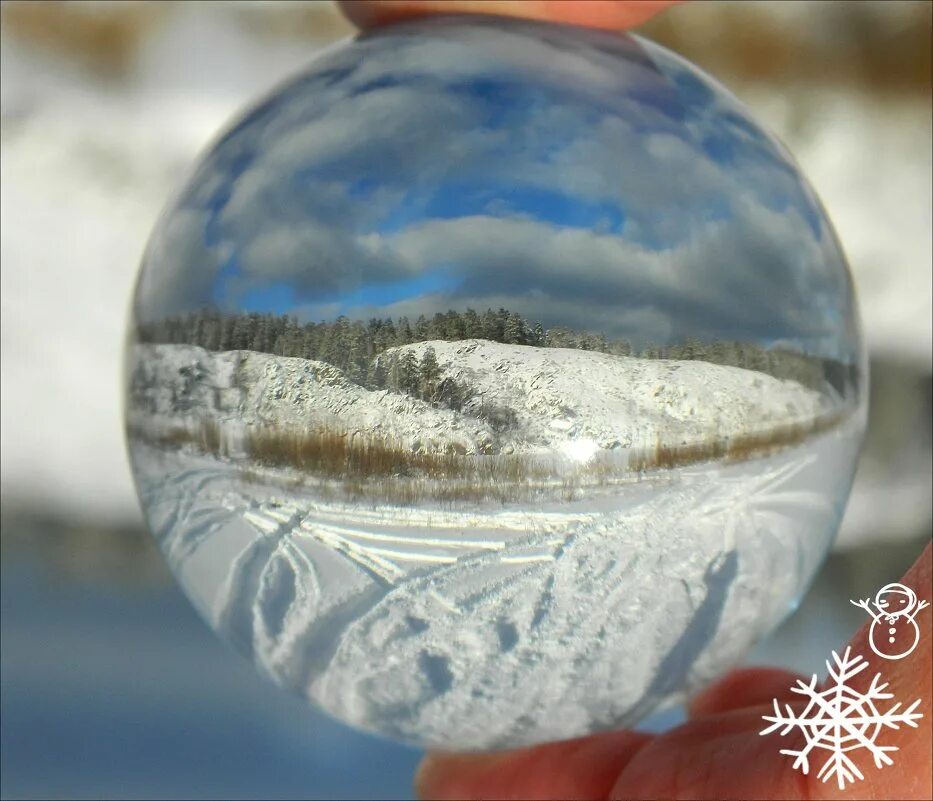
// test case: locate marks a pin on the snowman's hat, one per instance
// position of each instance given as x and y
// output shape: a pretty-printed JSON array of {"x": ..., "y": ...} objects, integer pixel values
[{"x": 898, "y": 588}]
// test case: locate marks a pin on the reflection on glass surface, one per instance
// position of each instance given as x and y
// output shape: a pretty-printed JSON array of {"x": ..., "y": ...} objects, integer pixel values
[{"x": 494, "y": 382}]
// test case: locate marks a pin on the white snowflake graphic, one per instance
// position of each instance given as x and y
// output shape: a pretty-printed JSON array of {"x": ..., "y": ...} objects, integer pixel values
[{"x": 841, "y": 720}]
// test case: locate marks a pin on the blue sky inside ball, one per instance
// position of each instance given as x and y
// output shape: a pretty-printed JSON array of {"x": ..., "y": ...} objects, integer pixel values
[{"x": 579, "y": 178}]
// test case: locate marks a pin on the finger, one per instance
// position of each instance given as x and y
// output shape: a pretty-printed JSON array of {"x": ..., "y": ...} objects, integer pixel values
[
  {"x": 908, "y": 679},
  {"x": 717, "y": 757},
  {"x": 581, "y": 768},
  {"x": 723, "y": 755},
  {"x": 744, "y": 688},
  {"x": 608, "y": 14},
  {"x": 920, "y": 579}
]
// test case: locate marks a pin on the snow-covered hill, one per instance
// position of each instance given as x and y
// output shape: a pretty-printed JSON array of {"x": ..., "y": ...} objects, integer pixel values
[
  {"x": 597, "y": 400},
  {"x": 172, "y": 382},
  {"x": 570, "y": 401}
]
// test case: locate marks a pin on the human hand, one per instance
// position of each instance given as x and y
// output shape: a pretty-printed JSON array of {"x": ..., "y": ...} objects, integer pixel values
[{"x": 718, "y": 752}]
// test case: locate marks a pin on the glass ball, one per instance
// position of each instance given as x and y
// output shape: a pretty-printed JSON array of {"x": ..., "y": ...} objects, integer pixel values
[{"x": 494, "y": 382}]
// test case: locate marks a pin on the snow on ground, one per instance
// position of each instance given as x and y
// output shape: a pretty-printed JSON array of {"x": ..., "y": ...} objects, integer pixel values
[
  {"x": 597, "y": 400},
  {"x": 491, "y": 625},
  {"x": 245, "y": 388},
  {"x": 564, "y": 401}
]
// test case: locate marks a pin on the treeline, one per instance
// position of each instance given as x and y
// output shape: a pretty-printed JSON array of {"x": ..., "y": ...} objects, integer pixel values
[
  {"x": 422, "y": 378},
  {"x": 353, "y": 345}
]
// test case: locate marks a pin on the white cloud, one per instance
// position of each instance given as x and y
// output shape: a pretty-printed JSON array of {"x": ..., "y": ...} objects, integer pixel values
[
  {"x": 330, "y": 187},
  {"x": 722, "y": 282}
]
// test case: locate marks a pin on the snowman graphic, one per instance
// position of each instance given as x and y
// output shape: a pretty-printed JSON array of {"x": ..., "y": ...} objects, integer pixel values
[{"x": 894, "y": 632}]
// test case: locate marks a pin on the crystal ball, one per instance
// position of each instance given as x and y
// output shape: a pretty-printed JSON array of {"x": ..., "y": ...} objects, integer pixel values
[{"x": 494, "y": 382}]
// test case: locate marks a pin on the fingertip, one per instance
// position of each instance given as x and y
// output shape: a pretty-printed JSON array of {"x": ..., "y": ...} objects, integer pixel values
[
  {"x": 605, "y": 14},
  {"x": 429, "y": 779},
  {"x": 721, "y": 757},
  {"x": 443, "y": 775}
]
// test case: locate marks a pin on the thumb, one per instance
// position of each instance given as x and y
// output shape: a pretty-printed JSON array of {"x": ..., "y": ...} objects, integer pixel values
[
  {"x": 608, "y": 14},
  {"x": 723, "y": 756}
]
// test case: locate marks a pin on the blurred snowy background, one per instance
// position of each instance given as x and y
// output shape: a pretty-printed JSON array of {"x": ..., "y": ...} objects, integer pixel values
[{"x": 110, "y": 685}]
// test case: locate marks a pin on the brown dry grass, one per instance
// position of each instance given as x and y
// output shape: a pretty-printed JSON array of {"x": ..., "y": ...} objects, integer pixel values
[
  {"x": 882, "y": 48},
  {"x": 360, "y": 468},
  {"x": 204, "y": 435},
  {"x": 336, "y": 454},
  {"x": 733, "y": 449},
  {"x": 104, "y": 36}
]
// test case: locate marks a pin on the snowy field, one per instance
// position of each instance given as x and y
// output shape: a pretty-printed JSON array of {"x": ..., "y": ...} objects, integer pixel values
[{"x": 403, "y": 620}]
